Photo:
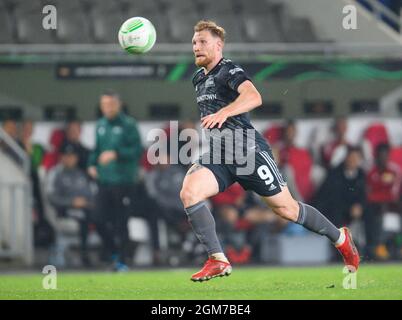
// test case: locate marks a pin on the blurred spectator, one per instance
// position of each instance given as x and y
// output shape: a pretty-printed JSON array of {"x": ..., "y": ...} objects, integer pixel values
[
  {"x": 34, "y": 150},
  {"x": 73, "y": 136},
  {"x": 114, "y": 164},
  {"x": 287, "y": 140},
  {"x": 298, "y": 159},
  {"x": 333, "y": 152},
  {"x": 70, "y": 192},
  {"x": 284, "y": 149},
  {"x": 383, "y": 195},
  {"x": 10, "y": 127},
  {"x": 274, "y": 134},
  {"x": 374, "y": 135},
  {"x": 43, "y": 233},
  {"x": 288, "y": 174},
  {"x": 163, "y": 184},
  {"x": 342, "y": 196},
  {"x": 396, "y": 156},
  {"x": 52, "y": 157}
]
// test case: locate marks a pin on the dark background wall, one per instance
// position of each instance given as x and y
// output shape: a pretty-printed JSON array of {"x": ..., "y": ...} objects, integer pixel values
[{"x": 34, "y": 87}]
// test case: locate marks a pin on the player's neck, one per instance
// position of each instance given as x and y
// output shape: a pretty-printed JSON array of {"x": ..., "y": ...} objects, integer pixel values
[{"x": 212, "y": 65}]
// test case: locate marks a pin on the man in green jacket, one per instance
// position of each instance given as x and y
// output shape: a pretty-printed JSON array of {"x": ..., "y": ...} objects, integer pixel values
[{"x": 114, "y": 164}]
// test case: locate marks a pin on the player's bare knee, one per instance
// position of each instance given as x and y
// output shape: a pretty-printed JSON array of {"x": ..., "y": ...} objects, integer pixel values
[
  {"x": 185, "y": 196},
  {"x": 289, "y": 211},
  {"x": 189, "y": 197},
  {"x": 293, "y": 212}
]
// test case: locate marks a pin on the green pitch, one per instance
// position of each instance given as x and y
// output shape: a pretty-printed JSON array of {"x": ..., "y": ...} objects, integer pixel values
[{"x": 373, "y": 282}]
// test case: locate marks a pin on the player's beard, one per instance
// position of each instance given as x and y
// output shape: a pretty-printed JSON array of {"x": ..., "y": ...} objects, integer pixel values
[{"x": 203, "y": 62}]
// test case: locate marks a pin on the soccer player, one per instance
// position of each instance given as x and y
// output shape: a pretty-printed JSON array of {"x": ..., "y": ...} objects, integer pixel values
[{"x": 225, "y": 95}]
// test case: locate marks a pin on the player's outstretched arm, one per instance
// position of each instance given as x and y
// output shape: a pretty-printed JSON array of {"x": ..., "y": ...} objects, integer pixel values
[{"x": 248, "y": 99}]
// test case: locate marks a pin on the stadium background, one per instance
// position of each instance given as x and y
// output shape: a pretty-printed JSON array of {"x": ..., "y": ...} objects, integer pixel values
[{"x": 307, "y": 67}]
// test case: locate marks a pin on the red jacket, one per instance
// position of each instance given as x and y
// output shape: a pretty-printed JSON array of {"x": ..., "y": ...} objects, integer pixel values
[{"x": 384, "y": 186}]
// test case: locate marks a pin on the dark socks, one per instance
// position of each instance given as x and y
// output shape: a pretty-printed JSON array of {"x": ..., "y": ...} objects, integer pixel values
[
  {"x": 203, "y": 224},
  {"x": 315, "y": 221}
]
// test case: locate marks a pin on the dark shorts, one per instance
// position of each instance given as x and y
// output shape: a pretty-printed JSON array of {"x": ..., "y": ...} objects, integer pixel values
[{"x": 264, "y": 178}]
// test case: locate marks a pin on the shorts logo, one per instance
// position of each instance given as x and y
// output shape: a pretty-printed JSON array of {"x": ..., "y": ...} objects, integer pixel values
[{"x": 272, "y": 187}]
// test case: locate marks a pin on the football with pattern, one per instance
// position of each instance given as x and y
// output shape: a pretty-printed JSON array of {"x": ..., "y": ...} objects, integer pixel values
[{"x": 137, "y": 35}]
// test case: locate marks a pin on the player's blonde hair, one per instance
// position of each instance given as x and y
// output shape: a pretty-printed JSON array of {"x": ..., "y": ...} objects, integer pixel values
[{"x": 212, "y": 27}]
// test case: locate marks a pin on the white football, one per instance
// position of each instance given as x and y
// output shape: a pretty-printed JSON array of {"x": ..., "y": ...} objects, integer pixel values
[{"x": 137, "y": 35}]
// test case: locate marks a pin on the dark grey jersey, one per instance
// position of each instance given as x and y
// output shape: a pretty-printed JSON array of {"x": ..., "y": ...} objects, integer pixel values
[{"x": 216, "y": 90}]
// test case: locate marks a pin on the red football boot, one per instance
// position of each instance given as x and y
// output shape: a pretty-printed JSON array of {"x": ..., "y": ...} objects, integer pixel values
[
  {"x": 349, "y": 252},
  {"x": 211, "y": 269}
]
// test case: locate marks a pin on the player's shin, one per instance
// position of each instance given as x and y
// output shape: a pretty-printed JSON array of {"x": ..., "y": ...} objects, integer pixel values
[
  {"x": 313, "y": 220},
  {"x": 203, "y": 224}
]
